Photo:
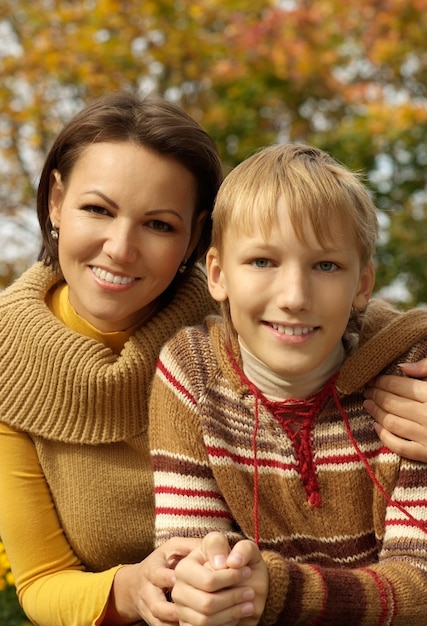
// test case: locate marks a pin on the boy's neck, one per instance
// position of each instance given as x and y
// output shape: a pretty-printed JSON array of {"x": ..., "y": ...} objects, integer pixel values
[{"x": 276, "y": 388}]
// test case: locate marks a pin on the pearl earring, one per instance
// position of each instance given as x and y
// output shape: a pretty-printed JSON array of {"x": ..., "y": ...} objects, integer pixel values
[
  {"x": 54, "y": 232},
  {"x": 183, "y": 267}
]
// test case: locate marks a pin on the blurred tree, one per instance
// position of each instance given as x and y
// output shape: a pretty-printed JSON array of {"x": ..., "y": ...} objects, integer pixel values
[{"x": 348, "y": 77}]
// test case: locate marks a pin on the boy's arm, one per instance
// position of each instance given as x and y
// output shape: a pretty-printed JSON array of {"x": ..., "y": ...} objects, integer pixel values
[
  {"x": 188, "y": 501},
  {"x": 189, "y": 504}
]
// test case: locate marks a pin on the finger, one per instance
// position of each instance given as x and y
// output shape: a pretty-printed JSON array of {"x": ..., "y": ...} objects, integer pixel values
[
  {"x": 192, "y": 573},
  {"x": 178, "y": 547},
  {"x": 161, "y": 577},
  {"x": 410, "y": 388},
  {"x": 417, "y": 369},
  {"x": 244, "y": 553},
  {"x": 378, "y": 403},
  {"x": 403, "y": 447},
  {"x": 413, "y": 429},
  {"x": 192, "y": 617},
  {"x": 201, "y": 608},
  {"x": 404, "y": 429},
  {"x": 155, "y": 608},
  {"x": 164, "y": 612},
  {"x": 215, "y": 548}
]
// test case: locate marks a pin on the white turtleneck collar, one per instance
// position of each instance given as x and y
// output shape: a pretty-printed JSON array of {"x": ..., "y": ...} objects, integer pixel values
[{"x": 276, "y": 388}]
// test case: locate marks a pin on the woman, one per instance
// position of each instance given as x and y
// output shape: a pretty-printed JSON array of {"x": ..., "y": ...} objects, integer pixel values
[{"x": 124, "y": 204}]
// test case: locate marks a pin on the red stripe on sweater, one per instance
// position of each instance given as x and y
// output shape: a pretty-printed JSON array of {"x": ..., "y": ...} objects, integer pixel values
[
  {"x": 318, "y": 620},
  {"x": 174, "y": 382},
  {"x": 223, "y": 453},
  {"x": 336, "y": 459},
  {"x": 166, "y": 510},
  {"x": 383, "y": 596},
  {"x": 181, "y": 491},
  {"x": 407, "y": 523},
  {"x": 339, "y": 459},
  {"x": 218, "y": 452},
  {"x": 414, "y": 503}
]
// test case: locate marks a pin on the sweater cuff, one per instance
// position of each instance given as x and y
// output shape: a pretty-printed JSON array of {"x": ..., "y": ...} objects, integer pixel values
[{"x": 278, "y": 576}]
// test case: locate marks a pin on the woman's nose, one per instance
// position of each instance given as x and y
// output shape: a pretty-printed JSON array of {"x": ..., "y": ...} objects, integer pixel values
[{"x": 120, "y": 244}]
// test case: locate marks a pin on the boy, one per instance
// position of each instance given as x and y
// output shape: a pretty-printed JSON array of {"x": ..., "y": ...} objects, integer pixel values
[{"x": 257, "y": 422}]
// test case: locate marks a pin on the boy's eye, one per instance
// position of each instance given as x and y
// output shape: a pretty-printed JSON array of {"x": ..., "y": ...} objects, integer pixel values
[
  {"x": 159, "y": 226},
  {"x": 261, "y": 263},
  {"x": 327, "y": 266}
]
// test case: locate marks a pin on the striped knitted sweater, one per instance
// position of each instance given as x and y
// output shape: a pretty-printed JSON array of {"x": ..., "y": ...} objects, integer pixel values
[{"x": 339, "y": 548}]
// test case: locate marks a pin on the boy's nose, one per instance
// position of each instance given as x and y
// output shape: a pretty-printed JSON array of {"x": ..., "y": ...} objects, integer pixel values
[{"x": 293, "y": 290}]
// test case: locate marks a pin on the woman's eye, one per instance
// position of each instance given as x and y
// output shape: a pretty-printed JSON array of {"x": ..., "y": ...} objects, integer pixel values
[
  {"x": 159, "y": 226},
  {"x": 327, "y": 266},
  {"x": 261, "y": 263},
  {"x": 96, "y": 210}
]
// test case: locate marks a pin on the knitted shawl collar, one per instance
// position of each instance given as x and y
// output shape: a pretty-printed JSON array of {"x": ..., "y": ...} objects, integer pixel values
[
  {"x": 67, "y": 387},
  {"x": 390, "y": 335}
]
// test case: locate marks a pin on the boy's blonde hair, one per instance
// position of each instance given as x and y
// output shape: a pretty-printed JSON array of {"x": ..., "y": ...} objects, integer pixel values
[{"x": 313, "y": 185}]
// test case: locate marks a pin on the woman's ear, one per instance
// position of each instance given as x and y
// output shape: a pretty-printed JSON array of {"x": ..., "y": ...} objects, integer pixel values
[
  {"x": 215, "y": 275},
  {"x": 56, "y": 197},
  {"x": 365, "y": 287}
]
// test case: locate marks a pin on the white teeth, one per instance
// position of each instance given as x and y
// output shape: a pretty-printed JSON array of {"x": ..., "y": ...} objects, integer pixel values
[
  {"x": 292, "y": 330},
  {"x": 112, "y": 278}
]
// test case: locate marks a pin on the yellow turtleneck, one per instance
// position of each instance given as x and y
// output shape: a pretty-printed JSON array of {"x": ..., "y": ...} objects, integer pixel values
[{"x": 58, "y": 302}]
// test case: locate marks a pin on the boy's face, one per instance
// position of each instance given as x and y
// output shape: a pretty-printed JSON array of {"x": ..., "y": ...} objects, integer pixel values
[{"x": 290, "y": 301}]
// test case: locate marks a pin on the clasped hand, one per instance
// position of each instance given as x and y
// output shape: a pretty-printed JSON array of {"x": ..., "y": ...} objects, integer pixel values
[{"x": 219, "y": 586}]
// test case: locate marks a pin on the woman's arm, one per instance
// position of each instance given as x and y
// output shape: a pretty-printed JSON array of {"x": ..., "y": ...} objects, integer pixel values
[
  {"x": 399, "y": 406},
  {"x": 52, "y": 583}
]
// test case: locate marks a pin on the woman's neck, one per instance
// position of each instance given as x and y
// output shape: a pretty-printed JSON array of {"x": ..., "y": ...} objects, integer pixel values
[{"x": 277, "y": 388}]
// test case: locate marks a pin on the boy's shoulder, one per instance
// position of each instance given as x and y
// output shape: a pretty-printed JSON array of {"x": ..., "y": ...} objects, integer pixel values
[
  {"x": 388, "y": 337},
  {"x": 196, "y": 342},
  {"x": 202, "y": 353}
]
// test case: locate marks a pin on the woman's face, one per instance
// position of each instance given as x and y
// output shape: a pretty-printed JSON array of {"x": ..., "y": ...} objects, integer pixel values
[{"x": 125, "y": 220}]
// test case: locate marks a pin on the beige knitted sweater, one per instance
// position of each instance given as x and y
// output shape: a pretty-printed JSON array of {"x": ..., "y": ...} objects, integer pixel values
[{"x": 85, "y": 409}]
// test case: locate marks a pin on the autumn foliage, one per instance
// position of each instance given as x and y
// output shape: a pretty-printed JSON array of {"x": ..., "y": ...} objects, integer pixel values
[{"x": 350, "y": 77}]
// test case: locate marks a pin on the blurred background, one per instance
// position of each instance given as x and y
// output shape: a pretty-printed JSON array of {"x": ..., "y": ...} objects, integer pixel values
[{"x": 349, "y": 77}]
